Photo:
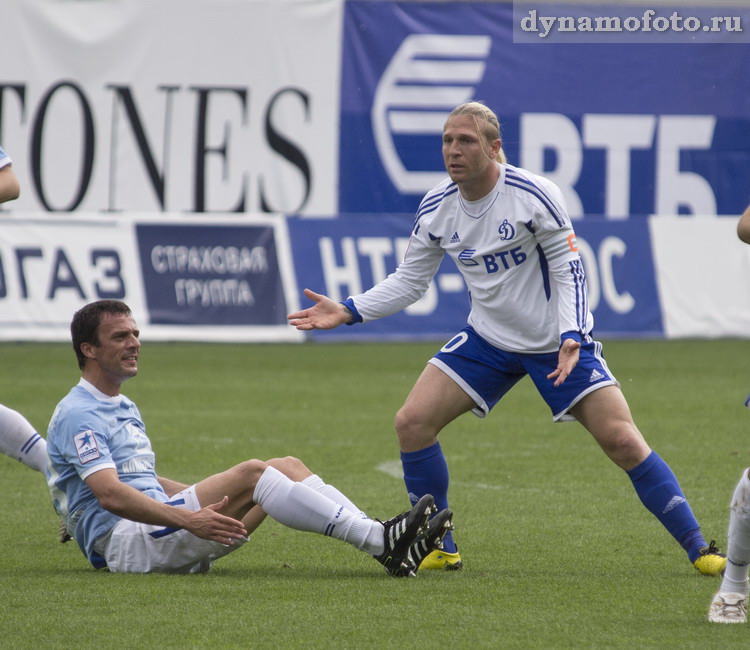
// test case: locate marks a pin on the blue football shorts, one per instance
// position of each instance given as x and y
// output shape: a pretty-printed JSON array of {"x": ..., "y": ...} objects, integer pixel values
[{"x": 486, "y": 373}]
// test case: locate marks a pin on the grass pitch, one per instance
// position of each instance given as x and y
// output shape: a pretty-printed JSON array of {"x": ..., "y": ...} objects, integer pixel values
[{"x": 558, "y": 551}]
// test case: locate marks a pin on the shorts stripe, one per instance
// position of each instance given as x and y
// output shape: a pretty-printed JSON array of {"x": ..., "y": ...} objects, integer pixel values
[
  {"x": 482, "y": 409},
  {"x": 163, "y": 532}
]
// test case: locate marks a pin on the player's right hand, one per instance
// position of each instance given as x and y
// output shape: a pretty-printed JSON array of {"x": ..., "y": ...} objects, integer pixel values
[{"x": 325, "y": 314}]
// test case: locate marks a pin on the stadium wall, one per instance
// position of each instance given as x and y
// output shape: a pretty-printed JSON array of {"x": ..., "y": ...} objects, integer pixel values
[{"x": 282, "y": 144}]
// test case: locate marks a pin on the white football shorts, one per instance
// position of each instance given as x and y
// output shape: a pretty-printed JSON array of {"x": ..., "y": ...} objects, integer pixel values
[{"x": 134, "y": 547}]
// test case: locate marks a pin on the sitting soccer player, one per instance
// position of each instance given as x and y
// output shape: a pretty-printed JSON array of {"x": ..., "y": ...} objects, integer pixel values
[{"x": 103, "y": 481}]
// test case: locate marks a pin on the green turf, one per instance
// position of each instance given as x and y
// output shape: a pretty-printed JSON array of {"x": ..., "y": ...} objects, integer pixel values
[{"x": 559, "y": 552}]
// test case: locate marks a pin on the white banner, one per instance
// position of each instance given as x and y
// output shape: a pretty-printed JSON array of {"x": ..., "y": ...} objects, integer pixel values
[
  {"x": 184, "y": 277},
  {"x": 172, "y": 105},
  {"x": 703, "y": 276},
  {"x": 48, "y": 269}
]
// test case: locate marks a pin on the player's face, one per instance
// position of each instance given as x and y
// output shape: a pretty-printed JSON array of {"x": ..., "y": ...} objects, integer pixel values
[
  {"x": 468, "y": 156},
  {"x": 117, "y": 352}
]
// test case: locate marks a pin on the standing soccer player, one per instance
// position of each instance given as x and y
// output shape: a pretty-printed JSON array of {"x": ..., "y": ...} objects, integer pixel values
[
  {"x": 729, "y": 604},
  {"x": 509, "y": 235},
  {"x": 18, "y": 438}
]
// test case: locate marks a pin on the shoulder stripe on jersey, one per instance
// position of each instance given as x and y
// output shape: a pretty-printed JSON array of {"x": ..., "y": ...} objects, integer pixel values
[
  {"x": 525, "y": 184},
  {"x": 431, "y": 203}
]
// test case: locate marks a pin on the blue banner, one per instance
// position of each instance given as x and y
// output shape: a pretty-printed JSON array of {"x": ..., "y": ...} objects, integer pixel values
[
  {"x": 621, "y": 277},
  {"x": 624, "y": 129},
  {"x": 346, "y": 256},
  {"x": 211, "y": 275}
]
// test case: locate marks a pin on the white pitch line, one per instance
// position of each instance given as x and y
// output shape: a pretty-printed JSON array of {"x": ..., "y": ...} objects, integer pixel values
[{"x": 393, "y": 468}]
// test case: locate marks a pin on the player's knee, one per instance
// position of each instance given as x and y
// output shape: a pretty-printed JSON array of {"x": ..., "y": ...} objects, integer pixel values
[
  {"x": 403, "y": 423},
  {"x": 412, "y": 430},
  {"x": 291, "y": 467},
  {"x": 251, "y": 471},
  {"x": 625, "y": 445}
]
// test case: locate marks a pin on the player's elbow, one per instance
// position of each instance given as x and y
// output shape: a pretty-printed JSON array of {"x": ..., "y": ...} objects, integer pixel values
[
  {"x": 743, "y": 226},
  {"x": 110, "y": 503},
  {"x": 110, "y": 498},
  {"x": 10, "y": 191}
]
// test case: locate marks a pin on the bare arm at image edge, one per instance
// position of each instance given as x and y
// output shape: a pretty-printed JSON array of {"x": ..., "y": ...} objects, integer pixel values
[
  {"x": 9, "y": 187},
  {"x": 743, "y": 226}
]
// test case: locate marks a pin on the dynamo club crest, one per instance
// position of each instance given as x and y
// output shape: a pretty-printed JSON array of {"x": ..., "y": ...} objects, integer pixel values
[{"x": 506, "y": 230}]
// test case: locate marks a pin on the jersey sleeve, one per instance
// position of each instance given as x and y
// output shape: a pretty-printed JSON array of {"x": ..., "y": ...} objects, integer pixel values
[
  {"x": 554, "y": 232},
  {"x": 407, "y": 283},
  {"x": 4, "y": 158},
  {"x": 82, "y": 445}
]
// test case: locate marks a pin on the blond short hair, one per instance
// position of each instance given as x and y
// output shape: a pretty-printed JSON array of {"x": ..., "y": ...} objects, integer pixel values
[{"x": 487, "y": 123}]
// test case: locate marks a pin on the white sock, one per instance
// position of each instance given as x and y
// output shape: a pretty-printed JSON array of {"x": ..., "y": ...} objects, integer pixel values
[
  {"x": 738, "y": 544},
  {"x": 298, "y": 506},
  {"x": 19, "y": 440},
  {"x": 316, "y": 483},
  {"x": 374, "y": 544}
]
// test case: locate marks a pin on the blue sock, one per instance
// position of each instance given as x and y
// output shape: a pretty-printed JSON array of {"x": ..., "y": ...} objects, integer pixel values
[
  {"x": 426, "y": 472},
  {"x": 659, "y": 491}
]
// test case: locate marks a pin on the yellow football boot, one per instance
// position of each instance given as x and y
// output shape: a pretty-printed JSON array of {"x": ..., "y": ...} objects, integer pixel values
[
  {"x": 441, "y": 561},
  {"x": 711, "y": 562}
]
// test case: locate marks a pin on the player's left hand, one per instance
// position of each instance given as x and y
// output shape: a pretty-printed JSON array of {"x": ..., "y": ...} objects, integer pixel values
[
  {"x": 566, "y": 361},
  {"x": 208, "y": 523}
]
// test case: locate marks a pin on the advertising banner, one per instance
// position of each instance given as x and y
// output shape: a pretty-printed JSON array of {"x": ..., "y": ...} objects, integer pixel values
[
  {"x": 50, "y": 268},
  {"x": 631, "y": 110},
  {"x": 184, "y": 279},
  {"x": 211, "y": 275},
  {"x": 236, "y": 279},
  {"x": 172, "y": 106},
  {"x": 346, "y": 256},
  {"x": 702, "y": 272}
]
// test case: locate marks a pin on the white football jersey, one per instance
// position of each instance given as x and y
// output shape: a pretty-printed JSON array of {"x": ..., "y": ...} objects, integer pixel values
[{"x": 516, "y": 251}]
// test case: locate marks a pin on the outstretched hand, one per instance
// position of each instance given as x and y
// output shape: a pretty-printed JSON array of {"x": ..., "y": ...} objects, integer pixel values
[
  {"x": 566, "y": 361},
  {"x": 208, "y": 523},
  {"x": 325, "y": 314}
]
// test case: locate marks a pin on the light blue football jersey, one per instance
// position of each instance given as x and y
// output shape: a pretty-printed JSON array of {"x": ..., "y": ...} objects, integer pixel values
[
  {"x": 4, "y": 158},
  {"x": 90, "y": 431}
]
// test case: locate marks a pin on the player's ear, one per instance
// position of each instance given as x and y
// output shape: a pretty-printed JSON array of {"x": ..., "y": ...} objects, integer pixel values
[{"x": 87, "y": 349}]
